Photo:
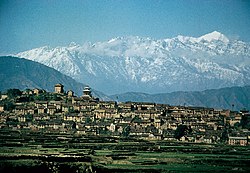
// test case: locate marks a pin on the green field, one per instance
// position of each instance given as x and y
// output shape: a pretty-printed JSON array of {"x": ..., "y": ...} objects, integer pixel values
[{"x": 46, "y": 152}]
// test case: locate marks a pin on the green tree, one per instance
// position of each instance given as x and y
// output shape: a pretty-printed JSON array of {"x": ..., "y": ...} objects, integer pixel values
[
  {"x": 12, "y": 93},
  {"x": 87, "y": 120},
  {"x": 74, "y": 125},
  {"x": 245, "y": 122},
  {"x": 41, "y": 97},
  {"x": 224, "y": 135},
  {"x": 182, "y": 130},
  {"x": 29, "y": 117},
  {"x": 126, "y": 131},
  {"x": 56, "y": 98},
  {"x": 9, "y": 106}
]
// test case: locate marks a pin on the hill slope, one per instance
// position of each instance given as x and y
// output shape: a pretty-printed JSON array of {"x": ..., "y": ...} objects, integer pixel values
[
  {"x": 216, "y": 98},
  {"x": 125, "y": 64},
  {"x": 22, "y": 74}
]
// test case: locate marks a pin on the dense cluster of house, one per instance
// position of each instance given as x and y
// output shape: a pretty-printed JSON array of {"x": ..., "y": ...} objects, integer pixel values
[{"x": 86, "y": 115}]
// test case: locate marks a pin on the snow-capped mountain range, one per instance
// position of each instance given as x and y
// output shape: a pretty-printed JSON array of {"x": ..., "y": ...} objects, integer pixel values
[{"x": 140, "y": 64}]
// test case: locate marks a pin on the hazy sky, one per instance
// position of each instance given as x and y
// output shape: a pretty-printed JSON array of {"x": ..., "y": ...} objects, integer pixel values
[{"x": 26, "y": 24}]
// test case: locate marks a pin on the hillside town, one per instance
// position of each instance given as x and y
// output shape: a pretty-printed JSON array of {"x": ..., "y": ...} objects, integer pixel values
[{"x": 63, "y": 112}]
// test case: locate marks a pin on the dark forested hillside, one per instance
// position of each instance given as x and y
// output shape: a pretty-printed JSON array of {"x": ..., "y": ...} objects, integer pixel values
[{"x": 22, "y": 74}]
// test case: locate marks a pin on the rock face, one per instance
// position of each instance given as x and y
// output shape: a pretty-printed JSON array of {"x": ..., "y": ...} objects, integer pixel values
[{"x": 146, "y": 65}]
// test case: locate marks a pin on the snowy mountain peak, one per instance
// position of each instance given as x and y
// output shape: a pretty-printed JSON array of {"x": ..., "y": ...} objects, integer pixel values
[
  {"x": 215, "y": 35},
  {"x": 142, "y": 64},
  {"x": 73, "y": 44}
]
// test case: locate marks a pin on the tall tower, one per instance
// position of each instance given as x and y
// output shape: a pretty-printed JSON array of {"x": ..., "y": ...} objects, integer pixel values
[
  {"x": 87, "y": 92},
  {"x": 59, "y": 88}
]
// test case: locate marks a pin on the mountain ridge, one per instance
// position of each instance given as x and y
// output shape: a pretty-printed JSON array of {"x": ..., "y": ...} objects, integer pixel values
[
  {"x": 234, "y": 98},
  {"x": 138, "y": 64},
  {"x": 23, "y": 74}
]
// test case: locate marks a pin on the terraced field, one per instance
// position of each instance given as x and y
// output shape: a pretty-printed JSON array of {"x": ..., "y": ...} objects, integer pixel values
[{"x": 52, "y": 152}]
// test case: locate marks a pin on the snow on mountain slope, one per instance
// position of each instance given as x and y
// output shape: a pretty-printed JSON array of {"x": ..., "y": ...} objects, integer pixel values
[
  {"x": 214, "y": 36},
  {"x": 148, "y": 65}
]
